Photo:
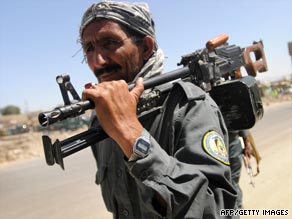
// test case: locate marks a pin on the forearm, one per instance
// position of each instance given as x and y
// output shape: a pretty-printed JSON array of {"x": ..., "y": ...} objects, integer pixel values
[{"x": 127, "y": 137}]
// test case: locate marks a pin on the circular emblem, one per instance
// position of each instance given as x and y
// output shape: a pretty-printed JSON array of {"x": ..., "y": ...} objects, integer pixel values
[{"x": 214, "y": 145}]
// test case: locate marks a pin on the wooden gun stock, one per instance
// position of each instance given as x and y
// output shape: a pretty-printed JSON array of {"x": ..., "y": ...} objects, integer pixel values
[{"x": 255, "y": 153}]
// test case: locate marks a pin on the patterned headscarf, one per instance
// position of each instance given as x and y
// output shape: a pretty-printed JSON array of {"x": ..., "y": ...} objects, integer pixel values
[{"x": 135, "y": 16}]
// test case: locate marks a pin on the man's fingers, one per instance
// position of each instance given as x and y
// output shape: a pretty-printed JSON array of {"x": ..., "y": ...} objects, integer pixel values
[{"x": 138, "y": 89}]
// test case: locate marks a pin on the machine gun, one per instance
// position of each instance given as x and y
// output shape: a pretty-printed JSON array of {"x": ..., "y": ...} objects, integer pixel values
[{"x": 212, "y": 68}]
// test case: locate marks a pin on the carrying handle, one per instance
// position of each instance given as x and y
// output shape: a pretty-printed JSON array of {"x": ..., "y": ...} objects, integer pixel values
[{"x": 260, "y": 63}]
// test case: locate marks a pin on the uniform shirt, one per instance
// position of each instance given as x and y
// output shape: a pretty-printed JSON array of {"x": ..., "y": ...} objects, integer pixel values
[
  {"x": 235, "y": 147},
  {"x": 183, "y": 164},
  {"x": 234, "y": 135}
]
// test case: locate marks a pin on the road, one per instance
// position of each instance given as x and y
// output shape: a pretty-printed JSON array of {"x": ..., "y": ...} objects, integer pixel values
[
  {"x": 273, "y": 186},
  {"x": 33, "y": 190}
]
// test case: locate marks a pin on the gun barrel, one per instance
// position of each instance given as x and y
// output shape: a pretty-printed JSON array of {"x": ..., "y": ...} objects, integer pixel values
[
  {"x": 61, "y": 113},
  {"x": 164, "y": 78}
]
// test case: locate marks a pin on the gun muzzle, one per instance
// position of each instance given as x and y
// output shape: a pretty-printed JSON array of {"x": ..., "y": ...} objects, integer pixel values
[{"x": 61, "y": 113}]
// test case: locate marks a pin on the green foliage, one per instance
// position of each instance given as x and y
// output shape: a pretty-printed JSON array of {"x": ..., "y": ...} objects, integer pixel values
[{"x": 10, "y": 110}]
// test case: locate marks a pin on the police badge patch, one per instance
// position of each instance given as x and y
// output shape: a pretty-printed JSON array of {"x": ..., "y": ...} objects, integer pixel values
[{"x": 214, "y": 145}]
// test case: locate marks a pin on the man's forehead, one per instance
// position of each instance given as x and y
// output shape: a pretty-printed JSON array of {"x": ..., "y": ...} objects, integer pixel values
[{"x": 103, "y": 28}]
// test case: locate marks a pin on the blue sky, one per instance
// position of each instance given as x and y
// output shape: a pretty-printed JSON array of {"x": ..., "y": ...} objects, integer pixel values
[{"x": 38, "y": 40}]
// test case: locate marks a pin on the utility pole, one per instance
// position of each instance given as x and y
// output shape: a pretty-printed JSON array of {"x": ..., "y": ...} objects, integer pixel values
[{"x": 290, "y": 53}]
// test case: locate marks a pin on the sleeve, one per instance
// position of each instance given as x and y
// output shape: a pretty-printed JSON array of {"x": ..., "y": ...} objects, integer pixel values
[
  {"x": 195, "y": 180},
  {"x": 243, "y": 133}
]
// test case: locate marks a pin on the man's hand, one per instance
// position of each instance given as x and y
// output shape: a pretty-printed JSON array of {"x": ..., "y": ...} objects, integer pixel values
[
  {"x": 247, "y": 150},
  {"x": 115, "y": 108}
]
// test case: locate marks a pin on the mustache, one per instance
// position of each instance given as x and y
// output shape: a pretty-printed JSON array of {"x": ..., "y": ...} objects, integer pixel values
[{"x": 107, "y": 69}]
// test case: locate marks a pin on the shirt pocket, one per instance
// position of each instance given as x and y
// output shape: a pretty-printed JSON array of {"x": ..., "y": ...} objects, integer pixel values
[
  {"x": 106, "y": 188},
  {"x": 100, "y": 174}
]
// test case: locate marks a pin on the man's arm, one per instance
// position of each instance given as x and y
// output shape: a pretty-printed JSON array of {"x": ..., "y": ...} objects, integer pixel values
[
  {"x": 116, "y": 108},
  {"x": 247, "y": 149}
]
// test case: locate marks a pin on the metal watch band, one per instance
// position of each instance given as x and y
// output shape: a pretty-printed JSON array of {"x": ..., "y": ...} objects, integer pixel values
[{"x": 146, "y": 137}]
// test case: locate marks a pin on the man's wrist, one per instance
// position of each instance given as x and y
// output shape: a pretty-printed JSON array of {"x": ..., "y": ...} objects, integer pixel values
[
  {"x": 127, "y": 137},
  {"x": 141, "y": 146}
]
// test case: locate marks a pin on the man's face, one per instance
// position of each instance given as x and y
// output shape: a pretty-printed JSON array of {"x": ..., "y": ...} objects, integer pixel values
[{"x": 110, "y": 52}]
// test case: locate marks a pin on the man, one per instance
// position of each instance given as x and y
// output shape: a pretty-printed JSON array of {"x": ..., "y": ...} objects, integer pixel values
[
  {"x": 172, "y": 165},
  {"x": 236, "y": 152}
]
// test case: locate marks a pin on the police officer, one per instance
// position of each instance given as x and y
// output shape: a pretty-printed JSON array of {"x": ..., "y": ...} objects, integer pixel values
[
  {"x": 172, "y": 165},
  {"x": 236, "y": 153}
]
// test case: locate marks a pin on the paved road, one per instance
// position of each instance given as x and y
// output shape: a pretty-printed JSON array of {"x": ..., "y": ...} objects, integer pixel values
[
  {"x": 33, "y": 190},
  {"x": 273, "y": 186}
]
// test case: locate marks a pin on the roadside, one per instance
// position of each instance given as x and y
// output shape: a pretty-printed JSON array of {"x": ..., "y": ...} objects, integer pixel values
[
  {"x": 28, "y": 145},
  {"x": 271, "y": 196}
]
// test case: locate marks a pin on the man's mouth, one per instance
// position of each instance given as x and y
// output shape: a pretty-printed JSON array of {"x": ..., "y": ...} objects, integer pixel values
[{"x": 107, "y": 69}]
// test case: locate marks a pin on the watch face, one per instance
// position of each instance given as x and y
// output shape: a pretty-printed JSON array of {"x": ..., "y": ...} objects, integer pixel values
[{"x": 142, "y": 147}]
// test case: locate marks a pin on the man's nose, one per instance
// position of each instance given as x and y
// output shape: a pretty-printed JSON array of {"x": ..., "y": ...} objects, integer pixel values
[{"x": 99, "y": 58}]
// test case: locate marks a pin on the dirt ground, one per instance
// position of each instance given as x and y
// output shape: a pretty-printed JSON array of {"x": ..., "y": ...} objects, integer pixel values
[{"x": 27, "y": 145}]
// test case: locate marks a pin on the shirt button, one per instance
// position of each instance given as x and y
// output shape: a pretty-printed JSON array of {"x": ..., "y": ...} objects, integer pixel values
[
  {"x": 125, "y": 212},
  {"x": 144, "y": 175},
  {"x": 119, "y": 172}
]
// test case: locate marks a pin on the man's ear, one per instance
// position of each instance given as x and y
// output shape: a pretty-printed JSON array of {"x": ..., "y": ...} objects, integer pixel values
[{"x": 148, "y": 47}]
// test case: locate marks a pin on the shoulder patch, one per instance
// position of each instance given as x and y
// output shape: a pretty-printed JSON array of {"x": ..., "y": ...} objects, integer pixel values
[{"x": 214, "y": 145}]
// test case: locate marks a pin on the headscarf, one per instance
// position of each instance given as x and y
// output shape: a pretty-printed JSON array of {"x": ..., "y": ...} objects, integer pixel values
[{"x": 135, "y": 16}]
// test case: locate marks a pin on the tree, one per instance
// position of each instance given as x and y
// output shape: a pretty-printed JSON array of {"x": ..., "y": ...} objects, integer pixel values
[{"x": 10, "y": 110}]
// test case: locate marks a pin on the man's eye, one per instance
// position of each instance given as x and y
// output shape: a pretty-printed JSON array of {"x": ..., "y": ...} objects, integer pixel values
[
  {"x": 110, "y": 44},
  {"x": 89, "y": 48}
]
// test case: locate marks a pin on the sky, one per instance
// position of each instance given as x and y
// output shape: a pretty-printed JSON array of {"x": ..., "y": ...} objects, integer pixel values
[{"x": 39, "y": 40}]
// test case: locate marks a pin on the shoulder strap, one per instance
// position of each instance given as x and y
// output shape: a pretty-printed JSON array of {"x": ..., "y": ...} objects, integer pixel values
[{"x": 181, "y": 93}]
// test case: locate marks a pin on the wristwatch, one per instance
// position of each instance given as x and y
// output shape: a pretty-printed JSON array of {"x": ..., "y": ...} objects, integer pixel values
[{"x": 141, "y": 146}]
